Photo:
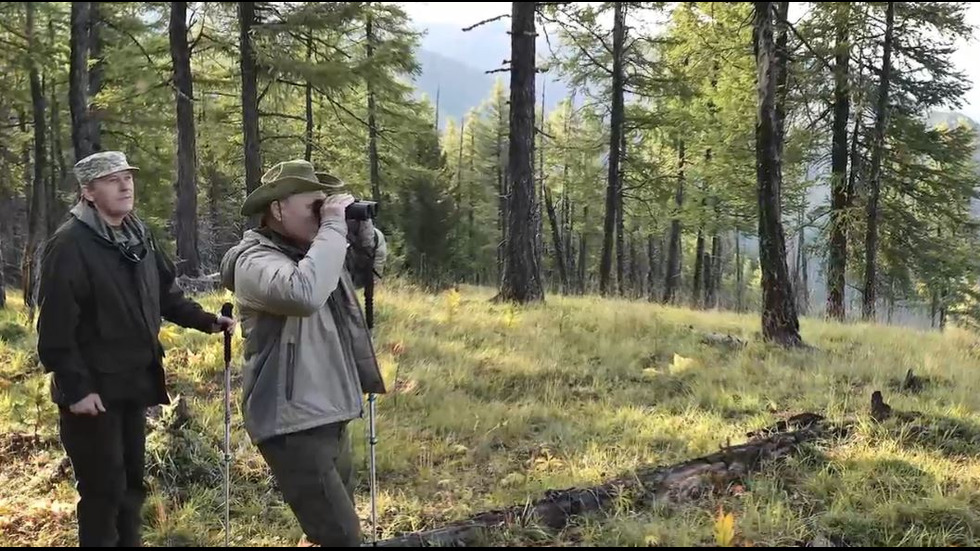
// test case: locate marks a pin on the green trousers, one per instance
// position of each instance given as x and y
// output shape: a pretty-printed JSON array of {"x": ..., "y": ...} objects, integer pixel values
[{"x": 315, "y": 471}]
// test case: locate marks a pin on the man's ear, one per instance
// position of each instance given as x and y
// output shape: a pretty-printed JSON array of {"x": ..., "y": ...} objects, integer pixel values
[
  {"x": 86, "y": 193},
  {"x": 276, "y": 208}
]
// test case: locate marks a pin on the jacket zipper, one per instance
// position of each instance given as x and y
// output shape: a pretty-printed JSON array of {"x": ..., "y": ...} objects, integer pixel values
[
  {"x": 291, "y": 360},
  {"x": 290, "y": 369}
]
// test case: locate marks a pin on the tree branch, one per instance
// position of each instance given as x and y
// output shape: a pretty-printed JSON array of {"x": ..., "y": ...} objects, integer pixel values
[
  {"x": 283, "y": 116},
  {"x": 486, "y": 22},
  {"x": 149, "y": 59},
  {"x": 820, "y": 58}
]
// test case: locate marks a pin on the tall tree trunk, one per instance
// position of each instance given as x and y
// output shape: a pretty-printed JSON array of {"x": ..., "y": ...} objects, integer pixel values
[
  {"x": 502, "y": 197},
  {"x": 566, "y": 207},
  {"x": 613, "y": 187},
  {"x": 308, "y": 153},
  {"x": 672, "y": 281},
  {"x": 652, "y": 268},
  {"x": 96, "y": 75},
  {"x": 539, "y": 234},
  {"x": 59, "y": 170},
  {"x": 943, "y": 308},
  {"x": 459, "y": 164},
  {"x": 185, "y": 215},
  {"x": 877, "y": 154},
  {"x": 556, "y": 237},
  {"x": 522, "y": 276},
  {"x": 583, "y": 255},
  {"x": 779, "y": 320},
  {"x": 837, "y": 261},
  {"x": 698, "y": 267},
  {"x": 83, "y": 142},
  {"x": 3, "y": 278},
  {"x": 373, "y": 161},
  {"x": 250, "y": 96},
  {"x": 739, "y": 273},
  {"x": 37, "y": 214},
  {"x": 51, "y": 188},
  {"x": 713, "y": 270},
  {"x": 471, "y": 207},
  {"x": 800, "y": 284},
  {"x": 620, "y": 226}
]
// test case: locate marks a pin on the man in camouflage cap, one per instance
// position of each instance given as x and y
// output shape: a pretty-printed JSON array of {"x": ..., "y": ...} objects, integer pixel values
[
  {"x": 308, "y": 352},
  {"x": 104, "y": 287}
]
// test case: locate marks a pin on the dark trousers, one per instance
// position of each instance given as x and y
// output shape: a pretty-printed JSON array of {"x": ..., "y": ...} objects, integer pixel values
[
  {"x": 107, "y": 456},
  {"x": 315, "y": 472}
]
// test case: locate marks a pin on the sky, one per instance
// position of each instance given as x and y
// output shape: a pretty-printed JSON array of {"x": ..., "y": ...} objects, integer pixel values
[{"x": 967, "y": 56}]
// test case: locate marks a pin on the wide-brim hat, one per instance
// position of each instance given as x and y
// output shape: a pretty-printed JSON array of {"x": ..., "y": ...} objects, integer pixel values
[
  {"x": 281, "y": 181},
  {"x": 333, "y": 183}
]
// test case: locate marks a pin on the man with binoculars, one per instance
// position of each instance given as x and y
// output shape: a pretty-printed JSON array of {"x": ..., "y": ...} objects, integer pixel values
[{"x": 308, "y": 352}]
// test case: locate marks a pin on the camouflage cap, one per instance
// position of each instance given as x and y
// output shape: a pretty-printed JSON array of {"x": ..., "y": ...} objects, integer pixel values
[{"x": 101, "y": 164}]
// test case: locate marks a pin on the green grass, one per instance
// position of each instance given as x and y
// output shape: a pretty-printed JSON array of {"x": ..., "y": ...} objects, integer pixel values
[{"x": 493, "y": 405}]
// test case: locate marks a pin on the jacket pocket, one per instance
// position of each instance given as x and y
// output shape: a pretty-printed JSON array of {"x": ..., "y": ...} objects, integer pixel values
[{"x": 290, "y": 369}]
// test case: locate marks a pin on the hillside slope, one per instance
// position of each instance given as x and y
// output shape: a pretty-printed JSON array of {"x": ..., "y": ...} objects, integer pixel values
[{"x": 495, "y": 405}]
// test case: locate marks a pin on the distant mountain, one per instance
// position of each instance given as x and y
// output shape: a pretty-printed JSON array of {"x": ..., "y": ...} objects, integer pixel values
[
  {"x": 460, "y": 87},
  {"x": 455, "y": 63}
]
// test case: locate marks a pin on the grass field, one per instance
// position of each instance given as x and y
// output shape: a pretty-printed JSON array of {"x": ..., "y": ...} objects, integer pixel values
[{"x": 493, "y": 405}]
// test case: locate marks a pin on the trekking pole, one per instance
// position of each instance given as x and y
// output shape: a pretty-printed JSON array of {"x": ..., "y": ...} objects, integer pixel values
[
  {"x": 226, "y": 311},
  {"x": 374, "y": 475},
  {"x": 373, "y": 439}
]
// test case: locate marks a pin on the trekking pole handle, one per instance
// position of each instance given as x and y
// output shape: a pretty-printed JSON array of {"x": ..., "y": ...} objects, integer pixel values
[{"x": 227, "y": 311}]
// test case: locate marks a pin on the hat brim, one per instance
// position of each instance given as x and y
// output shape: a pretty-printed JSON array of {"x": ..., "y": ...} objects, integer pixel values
[
  {"x": 277, "y": 191},
  {"x": 111, "y": 171},
  {"x": 331, "y": 181}
]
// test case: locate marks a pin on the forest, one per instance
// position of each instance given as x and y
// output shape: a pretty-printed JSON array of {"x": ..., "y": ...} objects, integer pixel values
[{"x": 803, "y": 168}]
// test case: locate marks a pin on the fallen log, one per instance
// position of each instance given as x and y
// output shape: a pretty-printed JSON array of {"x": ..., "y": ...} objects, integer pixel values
[
  {"x": 729, "y": 342},
  {"x": 647, "y": 486}
]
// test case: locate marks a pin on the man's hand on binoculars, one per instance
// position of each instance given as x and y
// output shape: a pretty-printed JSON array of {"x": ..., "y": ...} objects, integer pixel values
[{"x": 335, "y": 207}]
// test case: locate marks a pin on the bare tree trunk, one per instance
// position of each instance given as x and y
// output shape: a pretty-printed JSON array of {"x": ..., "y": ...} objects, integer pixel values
[
  {"x": 614, "y": 185},
  {"x": 583, "y": 255},
  {"x": 59, "y": 171},
  {"x": 83, "y": 140},
  {"x": 803, "y": 303},
  {"x": 652, "y": 272},
  {"x": 37, "y": 217},
  {"x": 250, "y": 96},
  {"x": 373, "y": 161},
  {"x": 672, "y": 281},
  {"x": 3, "y": 279},
  {"x": 556, "y": 236},
  {"x": 698, "y": 267},
  {"x": 502, "y": 198},
  {"x": 837, "y": 262},
  {"x": 739, "y": 274},
  {"x": 943, "y": 309},
  {"x": 566, "y": 207},
  {"x": 96, "y": 75},
  {"x": 877, "y": 154},
  {"x": 308, "y": 153},
  {"x": 185, "y": 215},
  {"x": 522, "y": 276},
  {"x": 713, "y": 270},
  {"x": 471, "y": 207},
  {"x": 779, "y": 319}
]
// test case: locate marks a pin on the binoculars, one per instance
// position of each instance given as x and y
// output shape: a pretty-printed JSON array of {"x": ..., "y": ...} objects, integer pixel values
[{"x": 358, "y": 210}]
